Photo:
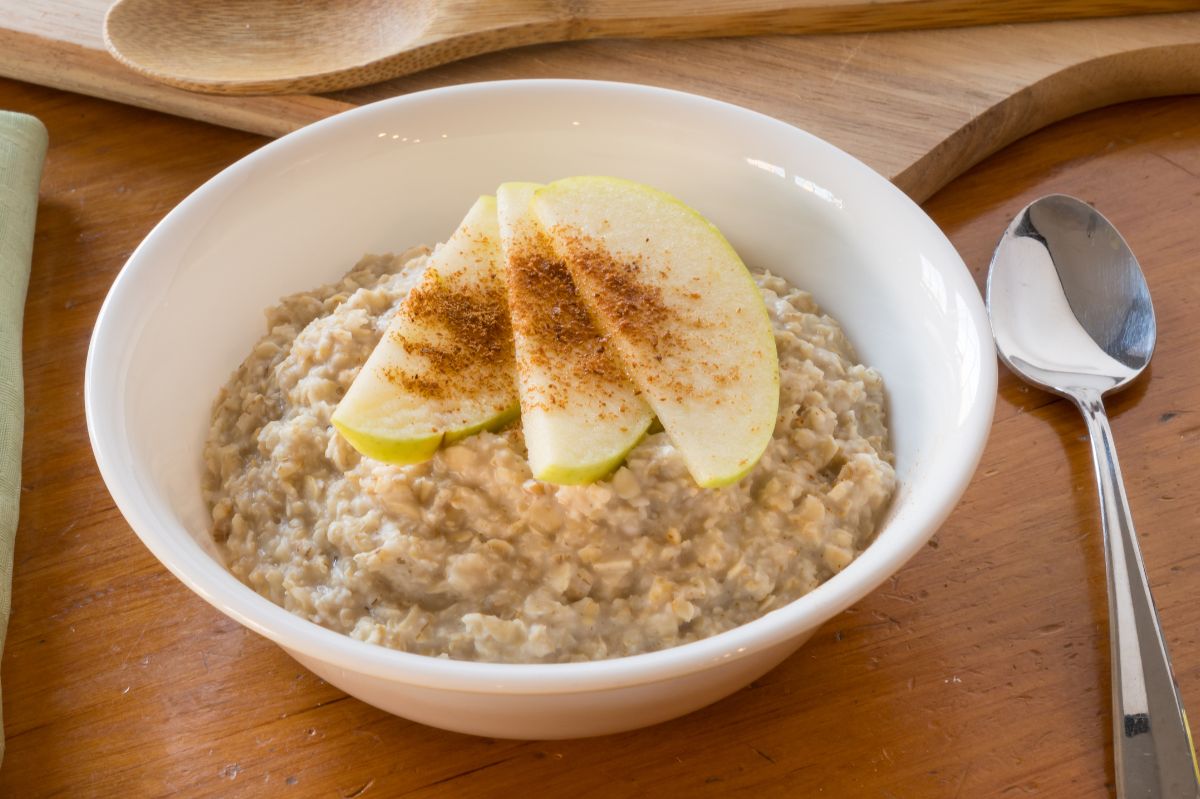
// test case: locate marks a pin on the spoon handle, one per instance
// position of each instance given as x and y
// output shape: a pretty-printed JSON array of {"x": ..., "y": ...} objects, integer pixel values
[{"x": 1154, "y": 754}]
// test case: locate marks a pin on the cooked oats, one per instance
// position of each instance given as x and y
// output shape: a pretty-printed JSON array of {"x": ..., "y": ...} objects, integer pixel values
[{"x": 467, "y": 556}]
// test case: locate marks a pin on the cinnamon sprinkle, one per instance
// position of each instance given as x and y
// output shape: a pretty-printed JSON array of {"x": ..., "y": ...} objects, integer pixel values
[
  {"x": 634, "y": 310},
  {"x": 467, "y": 338},
  {"x": 559, "y": 337}
]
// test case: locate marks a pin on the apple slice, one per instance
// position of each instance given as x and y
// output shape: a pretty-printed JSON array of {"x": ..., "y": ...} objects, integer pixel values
[
  {"x": 580, "y": 412},
  {"x": 679, "y": 306},
  {"x": 444, "y": 368}
]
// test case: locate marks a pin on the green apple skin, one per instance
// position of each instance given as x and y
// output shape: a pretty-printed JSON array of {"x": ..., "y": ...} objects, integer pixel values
[
  {"x": 580, "y": 413},
  {"x": 384, "y": 417},
  {"x": 502, "y": 418},
  {"x": 584, "y": 473},
  {"x": 682, "y": 310},
  {"x": 400, "y": 452}
]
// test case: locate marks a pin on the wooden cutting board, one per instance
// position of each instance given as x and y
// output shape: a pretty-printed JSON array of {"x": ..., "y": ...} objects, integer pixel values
[{"x": 918, "y": 106}]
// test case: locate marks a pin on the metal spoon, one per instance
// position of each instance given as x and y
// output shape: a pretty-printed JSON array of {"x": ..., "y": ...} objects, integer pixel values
[{"x": 1071, "y": 314}]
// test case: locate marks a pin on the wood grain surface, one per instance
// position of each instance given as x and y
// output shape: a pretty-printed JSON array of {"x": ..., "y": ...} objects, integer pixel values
[
  {"x": 918, "y": 106},
  {"x": 299, "y": 48},
  {"x": 980, "y": 670}
]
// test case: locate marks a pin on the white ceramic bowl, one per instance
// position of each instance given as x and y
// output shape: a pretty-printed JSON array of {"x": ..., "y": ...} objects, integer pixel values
[{"x": 299, "y": 212}]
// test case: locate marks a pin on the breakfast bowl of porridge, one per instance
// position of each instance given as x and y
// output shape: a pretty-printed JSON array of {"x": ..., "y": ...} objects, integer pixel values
[{"x": 540, "y": 408}]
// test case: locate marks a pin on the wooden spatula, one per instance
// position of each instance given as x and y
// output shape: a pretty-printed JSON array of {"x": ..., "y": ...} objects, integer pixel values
[{"x": 280, "y": 46}]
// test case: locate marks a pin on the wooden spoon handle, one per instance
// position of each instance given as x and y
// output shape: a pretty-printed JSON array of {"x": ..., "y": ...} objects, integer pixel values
[
  {"x": 703, "y": 18},
  {"x": 459, "y": 30}
]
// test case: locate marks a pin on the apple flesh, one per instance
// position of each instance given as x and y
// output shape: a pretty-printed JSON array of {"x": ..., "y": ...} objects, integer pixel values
[
  {"x": 444, "y": 368},
  {"x": 681, "y": 309},
  {"x": 580, "y": 413}
]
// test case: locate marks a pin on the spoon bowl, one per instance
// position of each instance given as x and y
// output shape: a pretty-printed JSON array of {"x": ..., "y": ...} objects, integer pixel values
[
  {"x": 1069, "y": 304},
  {"x": 258, "y": 45},
  {"x": 1071, "y": 313}
]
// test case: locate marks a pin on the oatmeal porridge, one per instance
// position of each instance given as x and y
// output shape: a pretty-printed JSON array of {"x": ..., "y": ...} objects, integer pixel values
[{"x": 466, "y": 556}]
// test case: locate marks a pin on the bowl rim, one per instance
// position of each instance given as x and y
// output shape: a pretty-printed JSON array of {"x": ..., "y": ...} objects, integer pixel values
[{"x": 301, "y": 637}]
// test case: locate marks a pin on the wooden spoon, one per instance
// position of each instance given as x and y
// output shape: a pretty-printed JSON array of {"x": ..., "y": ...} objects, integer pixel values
[{"x": 280, "y": 46}]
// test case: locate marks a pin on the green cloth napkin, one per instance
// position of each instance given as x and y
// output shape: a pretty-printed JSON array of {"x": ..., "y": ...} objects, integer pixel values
[{"x": 22, "y": 147}]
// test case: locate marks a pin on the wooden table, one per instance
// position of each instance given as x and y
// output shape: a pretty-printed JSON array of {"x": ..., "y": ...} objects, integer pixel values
[{"x": 980, "y": 670}]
